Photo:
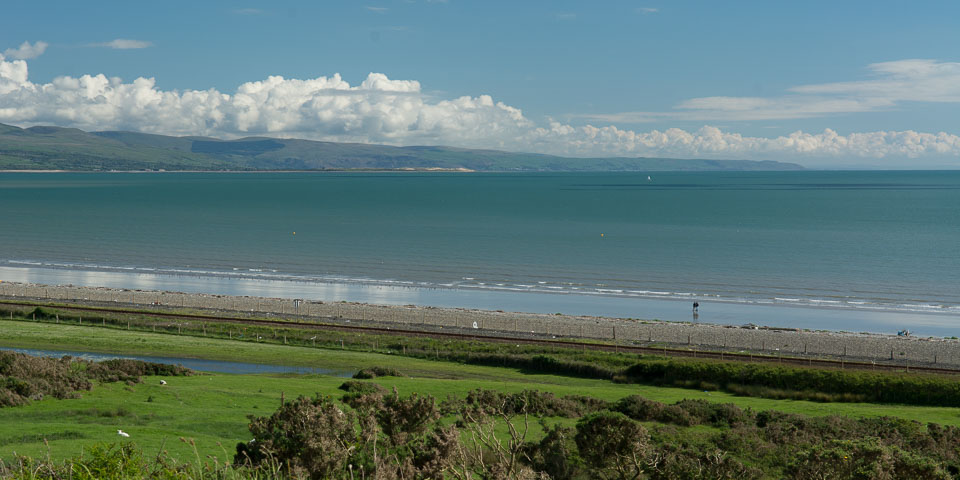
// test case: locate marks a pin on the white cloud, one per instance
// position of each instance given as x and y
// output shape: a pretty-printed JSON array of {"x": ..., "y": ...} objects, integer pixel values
[
  {"x": 26, "y": 51},
  {"x": 893, "y": 83},
  {"x": 914, "y": 80},
  {"x": 248, "y": 11},
  {"x": 647, "y": 10},
  {"x": 825, "y": 148},
  {"x": 123, "y": 44},
  {"x": 384, "y": 110},
  {"x": 380, "y": 10}
]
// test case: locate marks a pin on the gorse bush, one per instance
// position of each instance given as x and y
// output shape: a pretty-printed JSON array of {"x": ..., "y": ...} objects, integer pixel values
[{"x": 531, "y": 402}]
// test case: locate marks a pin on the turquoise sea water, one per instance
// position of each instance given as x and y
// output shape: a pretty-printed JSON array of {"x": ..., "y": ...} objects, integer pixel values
[{"x": 857, "y": 241}]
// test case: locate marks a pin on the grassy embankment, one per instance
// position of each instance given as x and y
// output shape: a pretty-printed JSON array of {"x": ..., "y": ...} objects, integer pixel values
[{"x": 212, "y": 409}]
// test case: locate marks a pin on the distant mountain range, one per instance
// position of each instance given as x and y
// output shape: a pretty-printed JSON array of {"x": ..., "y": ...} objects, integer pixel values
[{"x": 56, "y": 148}]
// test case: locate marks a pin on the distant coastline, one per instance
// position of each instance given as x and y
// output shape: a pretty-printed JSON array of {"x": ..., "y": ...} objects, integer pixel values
[
  {"x": 330, "y": 170},
  {"x": 50, "y": 148}
]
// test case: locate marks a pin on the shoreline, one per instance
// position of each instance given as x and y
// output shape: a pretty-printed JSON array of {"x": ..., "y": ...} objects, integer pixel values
[
  {"x": 767, "y": 340},
  {"x": 713, "y": 311}
]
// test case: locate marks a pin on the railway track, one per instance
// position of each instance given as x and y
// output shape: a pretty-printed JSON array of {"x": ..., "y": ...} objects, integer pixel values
[{"x": 498, "y": 337}]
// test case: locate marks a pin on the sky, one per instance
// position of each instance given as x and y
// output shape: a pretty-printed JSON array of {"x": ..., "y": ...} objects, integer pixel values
[{"x": 852, "y": 84}]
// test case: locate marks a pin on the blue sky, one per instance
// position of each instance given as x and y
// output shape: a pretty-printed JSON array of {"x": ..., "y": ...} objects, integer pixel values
[{"x": 834, "y": 84}]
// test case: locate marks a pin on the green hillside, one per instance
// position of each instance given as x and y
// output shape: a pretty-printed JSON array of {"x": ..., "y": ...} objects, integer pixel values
[{"x": 55, "y": 148}]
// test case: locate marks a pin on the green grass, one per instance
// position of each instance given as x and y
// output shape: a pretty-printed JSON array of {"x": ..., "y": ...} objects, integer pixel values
[{"x": 213, "y": 408}]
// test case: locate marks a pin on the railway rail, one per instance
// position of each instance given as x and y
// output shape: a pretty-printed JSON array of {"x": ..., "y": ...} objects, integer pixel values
[{"x": 498, "y": 337}]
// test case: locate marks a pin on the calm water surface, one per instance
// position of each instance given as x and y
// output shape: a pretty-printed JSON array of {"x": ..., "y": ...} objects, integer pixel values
[{"x": 860, "y": 242}]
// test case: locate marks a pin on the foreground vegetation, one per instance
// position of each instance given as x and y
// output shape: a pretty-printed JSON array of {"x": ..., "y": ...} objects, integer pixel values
[
  {"x": 464, "y": 416},
  {"x": 370, "y": 433}
]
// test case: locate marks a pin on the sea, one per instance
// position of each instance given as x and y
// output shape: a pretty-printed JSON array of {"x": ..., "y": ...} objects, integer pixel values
[{"x": 873, "y": 251}]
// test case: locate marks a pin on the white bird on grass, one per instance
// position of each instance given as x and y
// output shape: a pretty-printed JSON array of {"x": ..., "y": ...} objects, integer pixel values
[
  {"x": 163, "y": 382},
  {"x": 123, "y": 434}
]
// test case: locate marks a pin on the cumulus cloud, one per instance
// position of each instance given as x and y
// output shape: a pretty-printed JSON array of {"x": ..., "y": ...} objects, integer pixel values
[
  {"x": 385, "y": 110},
  {"x": 26, "y": 51},
  {"x": 915, "y": 80},
  {"x": 123, "y": 44}
]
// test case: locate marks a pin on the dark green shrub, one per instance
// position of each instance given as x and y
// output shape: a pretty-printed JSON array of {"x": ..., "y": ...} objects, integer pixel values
[
  {"x": 555, "y": 454},
  {"x": 639, "y": 408},
  {"x": 612, "y": 442},
  {"x": 677, "y": 415},
  {"x": 862, "y": 459},
  {"x": 532, "y": 402},
  {"x": 362, "y": 388},
  {"x": 374, "y": 372},
  {"x": 308, "y": 436}
]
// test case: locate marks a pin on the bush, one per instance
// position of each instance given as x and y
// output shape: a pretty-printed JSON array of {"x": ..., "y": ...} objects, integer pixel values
[
  {"x": 362, "y": 388},
  {"x": 374, "y": 372},
  {"x": 531, "y": 402},
  {"x": 639, "y": 408},
  {"x": 865, "y": 459},
  {"x": 677, "y": 415},
  {"x": 309, "y": 436},
  {"x": 610, "y": 441},
  {"x": 716, "y": 414}
]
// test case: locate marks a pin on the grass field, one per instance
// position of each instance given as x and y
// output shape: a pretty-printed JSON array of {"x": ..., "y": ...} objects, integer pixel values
[{"x": 212, "y": 408}]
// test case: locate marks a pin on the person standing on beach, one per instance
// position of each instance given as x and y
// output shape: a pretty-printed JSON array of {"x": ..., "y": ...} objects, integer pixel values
[{"x": 696, "y": 307}]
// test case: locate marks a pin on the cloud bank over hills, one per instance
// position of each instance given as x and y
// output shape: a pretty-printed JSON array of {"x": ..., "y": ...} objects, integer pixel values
[{"x": 398, "y": 112}]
